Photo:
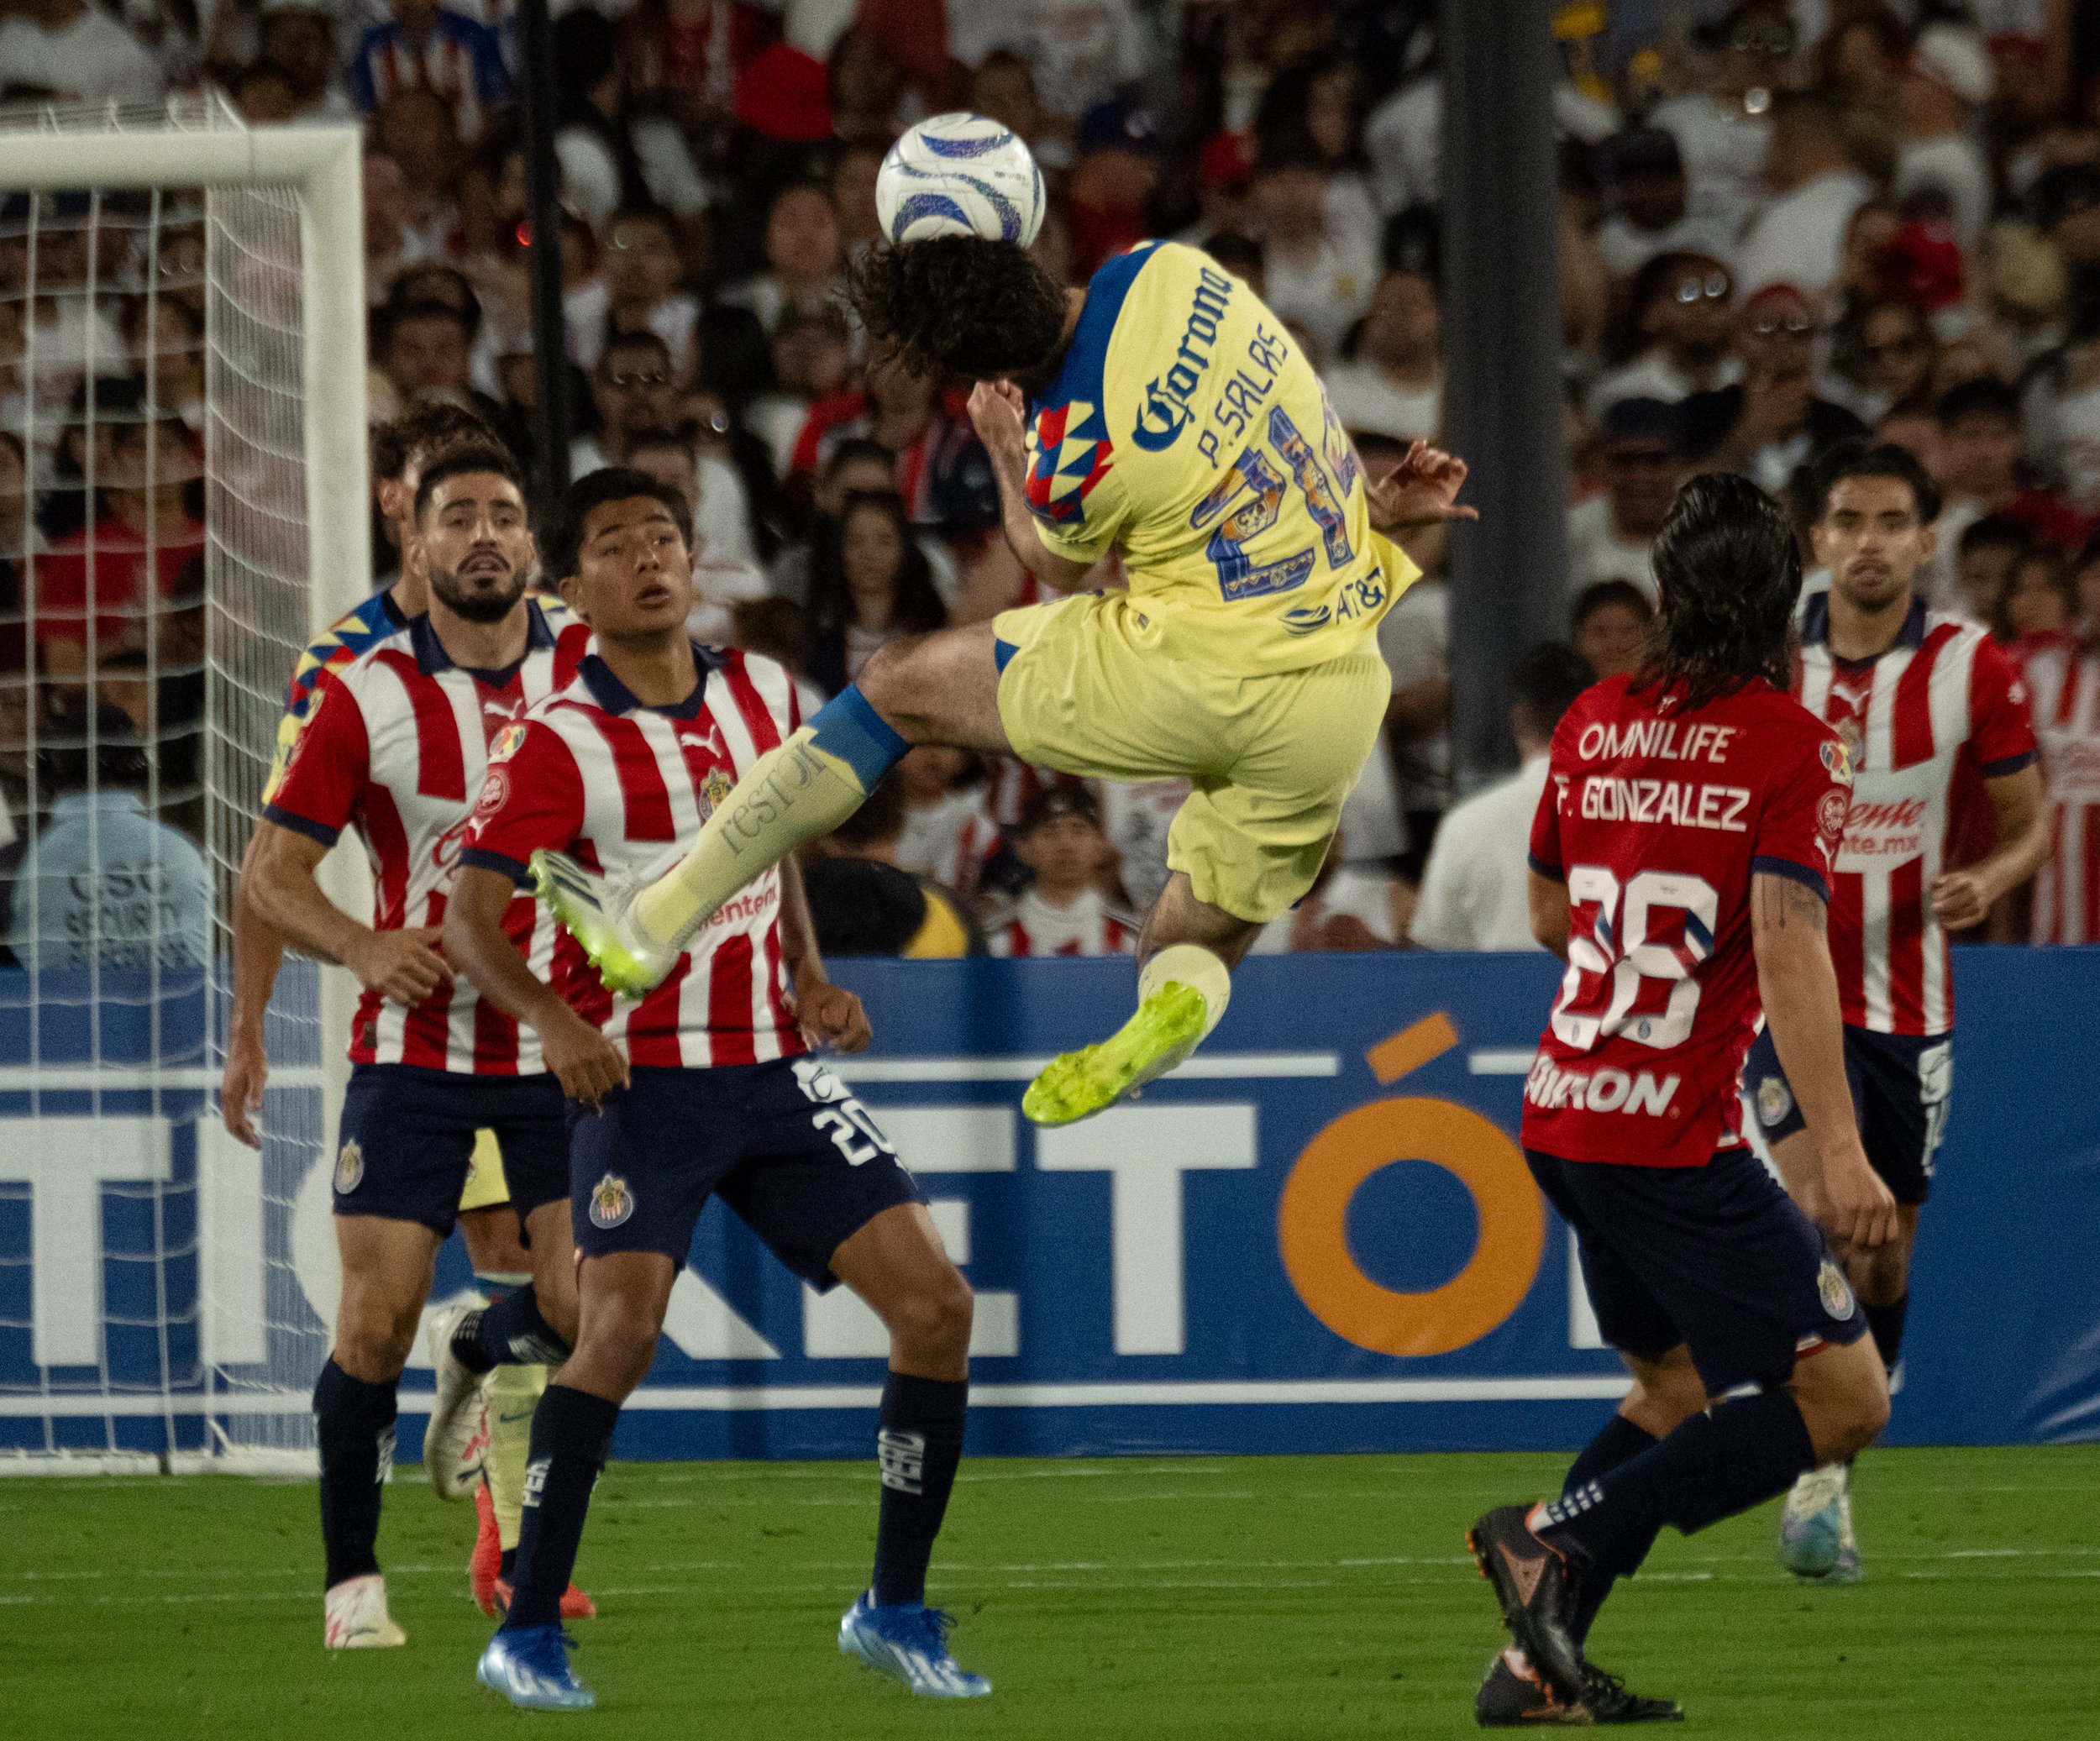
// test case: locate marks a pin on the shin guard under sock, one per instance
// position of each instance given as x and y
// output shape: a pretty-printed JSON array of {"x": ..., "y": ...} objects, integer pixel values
[
  {"x": 354, "y": 1422},
  {"x": 918, "y": 1445},
  {"x": 1620, "y": 1441},
  {"x": 572, "y": 1434}
]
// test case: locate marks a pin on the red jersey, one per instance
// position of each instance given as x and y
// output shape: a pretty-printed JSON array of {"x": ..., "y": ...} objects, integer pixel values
[
  {"x": 103, "y": 573},
  {"x": 396, "y": 744},
  {"x": 1941, "y": 700},
  {"x": 1657, "y": 820},
  {"x": 624, "y": 788},
  {"x": 2065, "y": 683},
  {"x": 1088, "y": 926}
]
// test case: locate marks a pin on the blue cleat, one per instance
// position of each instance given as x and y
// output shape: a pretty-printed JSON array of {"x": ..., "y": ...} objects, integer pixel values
[
  {"x": 908, "y": 1642},
  {"x": 529, "y": 1666}
]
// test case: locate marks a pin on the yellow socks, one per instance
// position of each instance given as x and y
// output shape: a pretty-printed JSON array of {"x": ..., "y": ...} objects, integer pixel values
[{"x": 512, "y": 1393}]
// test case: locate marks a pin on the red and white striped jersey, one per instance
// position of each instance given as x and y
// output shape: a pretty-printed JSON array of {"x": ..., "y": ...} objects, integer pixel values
[
  {"x": 1088, "y": 926},
  {"x": 396, "y": 744},
  {"x": 1943, "y": 698},
  {"x": 2064, "y": 684},
  {"x": 625, "y": 788}
]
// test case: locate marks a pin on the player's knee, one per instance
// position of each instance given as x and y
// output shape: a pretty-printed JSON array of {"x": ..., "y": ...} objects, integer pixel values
[
  {"x": 1845, "y": 1405},
  {"x": 931, "y": 1319},
  {"x": 372, "y": 1336}
]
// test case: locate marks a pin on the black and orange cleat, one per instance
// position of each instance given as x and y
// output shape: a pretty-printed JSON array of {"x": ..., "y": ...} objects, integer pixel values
[
  {"x": 1536, "y": 1586},
  {"x": 1609, "y": 1703},
  {"x": 1515, "y": 1696}
]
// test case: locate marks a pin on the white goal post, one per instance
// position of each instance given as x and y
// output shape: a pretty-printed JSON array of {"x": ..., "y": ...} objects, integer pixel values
[{"x": 202, "y": 1336}]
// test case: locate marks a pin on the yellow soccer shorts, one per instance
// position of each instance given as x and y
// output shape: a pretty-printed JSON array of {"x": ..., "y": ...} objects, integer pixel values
[
  {"x": 1090, "y": 689},
  {"x": 485, "y": 1187}
]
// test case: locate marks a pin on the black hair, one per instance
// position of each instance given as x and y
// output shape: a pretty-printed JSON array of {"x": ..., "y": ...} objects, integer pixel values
[
  {"x": 468, "y": 307},
  {"x": 1982, "y": 396},
  {"x": 916, "y": 606},
  {"x": 1544, "y": 683},
  {"x": 2062, "y": 581},
  {"x": 1857, "y": 459},
  {"x": 594, "y": 489},
  {"x": 634, "y": 338},
  {"x": 2085, "y": 558},
  {"x": 1729, "y": 572},
  {"x": 476, "y": 458},
  {"x": 430, "y": 428},
  {"x": 857, "y": 446},
  {"x": 1599, "y": 593},
  {"x": 1997, "y": 532},
  {"x": 428, "y": 308},
  {"x": 118, "y": 760},
  {"x": 1236, "y": 253},
  {"x": 959, "y": 306}
]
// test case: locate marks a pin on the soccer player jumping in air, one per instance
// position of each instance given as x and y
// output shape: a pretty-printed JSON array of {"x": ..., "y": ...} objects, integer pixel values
[
  {"x": 1926, "y": 705},
  {"x": 1164, "y": 412},
  {"x": 701, "y": 1087},
  {"x": 1682, "y": 858}
]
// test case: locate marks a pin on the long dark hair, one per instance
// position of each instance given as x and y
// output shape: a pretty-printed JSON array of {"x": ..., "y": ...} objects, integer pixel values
[
  {"x": 1729, "y": 572},
  {"x": 915, "y": 608}
]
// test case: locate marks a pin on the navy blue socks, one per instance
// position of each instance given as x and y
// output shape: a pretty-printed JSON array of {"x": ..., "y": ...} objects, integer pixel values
[
  {"x": 917, "y": 1447},
  {"x": 354, "y": 1422},
  {"x": 572, "y": 1434}
]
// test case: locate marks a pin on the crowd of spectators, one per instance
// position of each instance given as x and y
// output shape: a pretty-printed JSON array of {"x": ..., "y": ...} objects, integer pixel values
[{"x": 1782, "y": 223}]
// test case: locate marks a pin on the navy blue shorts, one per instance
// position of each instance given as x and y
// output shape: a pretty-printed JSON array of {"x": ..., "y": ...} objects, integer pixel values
[
  {"x": 1900, "y": 1087},
  {"x": 782, "y": 1144},
  {"x": 408, "y": 1133},
  {"x": 1716, "y": 1257}
]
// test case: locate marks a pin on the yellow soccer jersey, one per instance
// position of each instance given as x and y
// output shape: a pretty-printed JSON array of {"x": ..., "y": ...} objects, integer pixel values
[
  {"x": 1185, "y": 426},
  {"x": 343, "y": 642}
]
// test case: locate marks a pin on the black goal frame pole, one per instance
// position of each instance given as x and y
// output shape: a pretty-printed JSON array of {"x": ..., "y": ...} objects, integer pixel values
[
  {"x": 550, "y": 336},
  {"x": 1502, "y": 342}
]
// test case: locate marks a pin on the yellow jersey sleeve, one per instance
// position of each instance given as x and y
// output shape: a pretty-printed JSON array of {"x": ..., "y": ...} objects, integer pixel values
[{"x": 1184, "y": 426}]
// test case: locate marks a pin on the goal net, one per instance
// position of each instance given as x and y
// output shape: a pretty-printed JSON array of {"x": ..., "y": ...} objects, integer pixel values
[{"x": 183, "y": 507}]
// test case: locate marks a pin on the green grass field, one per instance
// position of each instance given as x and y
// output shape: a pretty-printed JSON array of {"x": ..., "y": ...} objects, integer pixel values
[{"x": 1285, "y": 1597}]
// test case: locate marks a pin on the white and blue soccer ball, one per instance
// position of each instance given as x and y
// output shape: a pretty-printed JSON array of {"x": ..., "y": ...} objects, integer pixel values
[{"x": 960, "y": 175}]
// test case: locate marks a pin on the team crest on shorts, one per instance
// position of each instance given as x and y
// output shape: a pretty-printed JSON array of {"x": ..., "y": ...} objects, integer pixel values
[
  {"x": 349, "y": 1168},
  {"x": 712, "y": 790},
  {"x": 1775, "y": 1100},
  {"x": 611, "y": 1201},
  {"x": 1836, "y": 1290}
]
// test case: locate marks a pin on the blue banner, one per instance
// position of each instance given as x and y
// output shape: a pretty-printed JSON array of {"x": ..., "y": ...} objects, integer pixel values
[{"x": 1319, "y": 1235}]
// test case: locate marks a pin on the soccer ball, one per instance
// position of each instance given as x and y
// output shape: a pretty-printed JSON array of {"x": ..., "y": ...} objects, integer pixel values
[{"x": 959, "y": 176}]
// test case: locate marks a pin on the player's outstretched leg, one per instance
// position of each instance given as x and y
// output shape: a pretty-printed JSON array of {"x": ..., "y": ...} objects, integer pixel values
[
  {"x": 790, "y": 795},
  {"x": 1189, "y": 949},
  {"x": 895, "y": 1263}
]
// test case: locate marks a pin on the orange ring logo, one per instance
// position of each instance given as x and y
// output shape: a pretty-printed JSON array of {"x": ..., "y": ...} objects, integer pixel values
[{"x": 1312, "y": 1218}]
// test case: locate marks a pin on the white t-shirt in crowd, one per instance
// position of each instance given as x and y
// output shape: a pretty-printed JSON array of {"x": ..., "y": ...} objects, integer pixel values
[
  {"x": 1136, "y": 816},
  {"x": 1368, "y": 402},
  {"x": 94, "y": 58},
  {"x": 1475, "y": 893},
  {"x": 1403, "y": 137},
  {"x": 1080, "y": 50},
  {"x": 1956, "y": 166},
  {"x": 1597, "y": 551},
  {"x": 1799, "y": 237},
  {"x": 1355, "y": 891},
  {"x": 1415, "y": 638},
  {"x": 1626, "y": 249},
  {"x": 1724, "y": 151},
  {"x": 1327, "y": 293},
  {"x": 2073, "y": 446},
  {"x": 1653, "y": 375}
]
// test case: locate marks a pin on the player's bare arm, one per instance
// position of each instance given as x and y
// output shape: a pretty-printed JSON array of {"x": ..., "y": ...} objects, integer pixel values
[
  {"x": 1789, "y": 932},
  {"x": 257, "y": 951},
  {"x": 998, "y": 412},
  {"x": 829, "y": 1015},
  {"x": 588, "y": 1066},
  {"x": 402, "y": 966},
  {"x": 1963, "y": 898},
  {"x": 1550, "y": 920}
]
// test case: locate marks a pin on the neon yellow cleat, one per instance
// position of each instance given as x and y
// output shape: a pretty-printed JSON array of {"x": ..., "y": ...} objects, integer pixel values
[
  {"x": 598, "y": 914},
  {"x": 1157, "y": 1039}
]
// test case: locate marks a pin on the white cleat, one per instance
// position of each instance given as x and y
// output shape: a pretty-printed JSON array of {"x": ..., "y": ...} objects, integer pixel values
[
  {"x": 355, "y": 1617},
  {"x": 456, "y": 1443}
]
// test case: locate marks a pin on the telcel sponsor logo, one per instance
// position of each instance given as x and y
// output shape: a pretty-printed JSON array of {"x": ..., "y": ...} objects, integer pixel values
[{"x": 1165, "y": 413}]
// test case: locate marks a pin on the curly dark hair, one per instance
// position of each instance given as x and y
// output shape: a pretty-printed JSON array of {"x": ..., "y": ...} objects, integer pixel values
[
  {"x": 959, "y": 306},
  {"x": 1730, "y": 573}
]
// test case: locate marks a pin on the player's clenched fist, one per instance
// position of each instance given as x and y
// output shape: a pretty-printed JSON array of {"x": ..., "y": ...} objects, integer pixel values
[
  {"x": 402, "y": 965},
  {"x": 588, "y": 1066},
  {"x": 830, "y": 1015}
]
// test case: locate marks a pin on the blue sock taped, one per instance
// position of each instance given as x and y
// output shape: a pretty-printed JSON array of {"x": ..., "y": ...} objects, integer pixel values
[{"x": 848, "y": 727}]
